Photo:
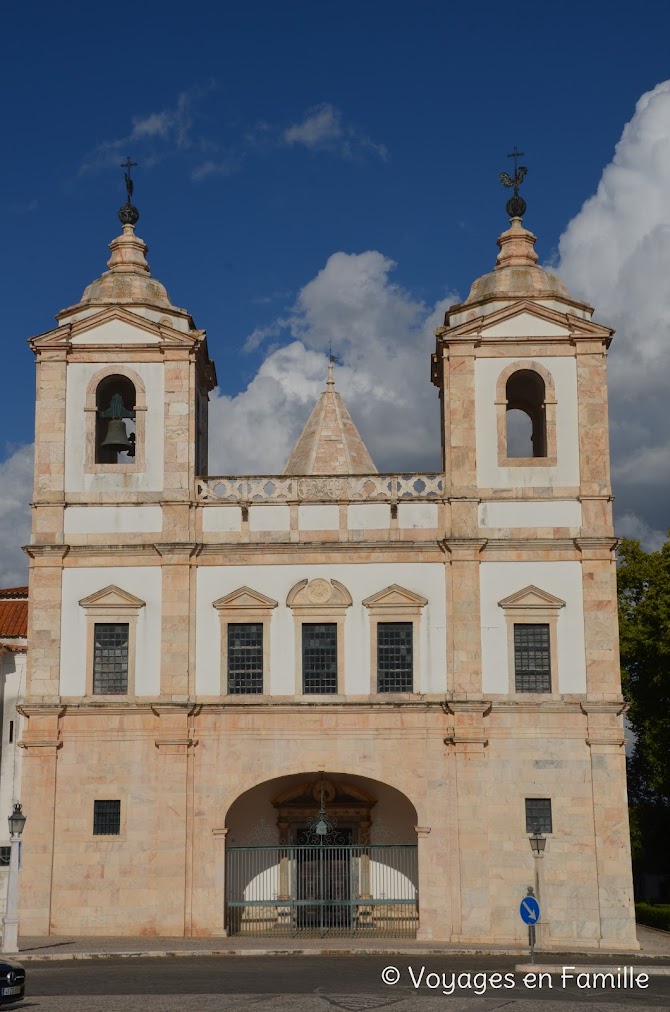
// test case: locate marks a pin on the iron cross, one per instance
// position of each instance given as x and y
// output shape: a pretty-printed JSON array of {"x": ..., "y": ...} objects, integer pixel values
[
  {"x": 128, "y": 165},
  {"x": 516, "y": 154}
]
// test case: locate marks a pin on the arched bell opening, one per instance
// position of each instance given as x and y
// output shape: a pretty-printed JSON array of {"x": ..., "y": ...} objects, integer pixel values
[
  {"x": 115, "y": 402},
  {"x": 322, "y": 853},
  {"x": 525, "y": 415}
]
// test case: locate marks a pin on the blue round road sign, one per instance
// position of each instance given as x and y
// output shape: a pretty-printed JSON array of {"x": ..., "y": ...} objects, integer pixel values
[{"x": 529, "y": 910}]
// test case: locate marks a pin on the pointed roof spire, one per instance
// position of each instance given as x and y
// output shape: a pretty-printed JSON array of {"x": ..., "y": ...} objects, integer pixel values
[{"x": 330, "y": 443}]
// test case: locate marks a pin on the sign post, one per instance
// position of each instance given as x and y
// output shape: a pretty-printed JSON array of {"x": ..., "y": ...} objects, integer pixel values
[{"x": 530, "y": 915}]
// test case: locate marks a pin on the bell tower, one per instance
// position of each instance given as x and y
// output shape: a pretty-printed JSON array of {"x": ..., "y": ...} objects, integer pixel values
[
  {"x": 120, "y": 433},
  {"x": 532, "y": 640}
]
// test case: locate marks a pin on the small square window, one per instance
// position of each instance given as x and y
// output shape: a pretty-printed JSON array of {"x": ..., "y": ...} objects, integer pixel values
[
  {"x": 538, "y": 815},
  {"x": 532, "y": 668},
  {"x": 4, "y": 856},
  {"x": 395, "y": 667},
  {"x": 110, "y": 658},
  {"x": 319, "y": 658},
  {"x": 245, "y": 657},
  {"x": 106, "y": 818}
]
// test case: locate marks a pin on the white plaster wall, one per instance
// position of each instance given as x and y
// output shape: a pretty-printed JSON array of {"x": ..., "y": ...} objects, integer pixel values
[
  {"x": 221, "y": 519},
  {"x": 116, "y": 332},
  {"x": 368, "y": 516},
  {"x": 79, "y": 375},
  {"x": 144, "y": 582},
  {"x": 361, "y": 581},
  {"x": 553, "y": 513},
  {"x": 269, "y": 518},
  {"x": 566, "y": 471},
  {"x": 525, "y": 325},
  {"x": 318, "y": 518},
  {"x": 417, "y": 515},
  {"x": 113, "y": 519},
  {"x": 563, "y": 579}
]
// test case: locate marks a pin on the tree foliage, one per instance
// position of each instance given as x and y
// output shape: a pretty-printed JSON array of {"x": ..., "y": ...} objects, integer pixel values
[{"x": 644, "y": 621}]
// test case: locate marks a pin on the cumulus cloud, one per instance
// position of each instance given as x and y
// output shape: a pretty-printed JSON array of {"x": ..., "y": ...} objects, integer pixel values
[
  {"x": 383, "y": 337},
  {"x": 616, "y": 254},
  {"x": 322, "y": 129},
  {"x": 16, "y": 482}
]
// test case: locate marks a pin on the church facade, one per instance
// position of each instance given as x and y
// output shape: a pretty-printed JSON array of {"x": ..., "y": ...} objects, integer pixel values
[{"x": 325, "y": 700}]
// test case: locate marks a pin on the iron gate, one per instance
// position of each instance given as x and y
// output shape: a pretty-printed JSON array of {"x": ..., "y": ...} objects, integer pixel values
[{"x": 369, "y": 889}]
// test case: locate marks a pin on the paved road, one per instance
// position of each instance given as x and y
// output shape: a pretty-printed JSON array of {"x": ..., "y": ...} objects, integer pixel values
[{"x": 311, "y": 984}]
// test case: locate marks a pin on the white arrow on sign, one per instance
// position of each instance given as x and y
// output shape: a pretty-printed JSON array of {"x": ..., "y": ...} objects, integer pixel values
[{"x": 529, "y": 910}]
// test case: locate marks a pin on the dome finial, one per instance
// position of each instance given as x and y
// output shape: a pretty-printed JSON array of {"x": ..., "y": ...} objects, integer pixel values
[
  {"x": 128, "y": 214},
  {"x": 332, "y": 360},
  {"x": 516, "y": 205}
]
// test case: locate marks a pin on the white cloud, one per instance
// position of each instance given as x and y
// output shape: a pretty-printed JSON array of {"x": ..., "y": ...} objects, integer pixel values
[
  {"x": 321, "y": 129},
  {"x": 382, "y": 335},
  {"x": 616, "y": 254},
  {"x": 157, "y": 134},
  {"x": 222, "y": 167},
  {"x": 16, "y": 482}
]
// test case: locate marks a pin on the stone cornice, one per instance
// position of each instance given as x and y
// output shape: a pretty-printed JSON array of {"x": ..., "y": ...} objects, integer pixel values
[{"x": 46, "y": 551}]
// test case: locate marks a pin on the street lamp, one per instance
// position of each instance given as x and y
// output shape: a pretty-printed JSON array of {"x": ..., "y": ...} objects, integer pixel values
[
  {"x": 10, "y": 922},
  {"x": 537, "y": 841}
]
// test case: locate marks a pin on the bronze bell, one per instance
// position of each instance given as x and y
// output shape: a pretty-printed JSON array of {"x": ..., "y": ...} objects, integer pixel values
[{"x": 117, "y": 437}]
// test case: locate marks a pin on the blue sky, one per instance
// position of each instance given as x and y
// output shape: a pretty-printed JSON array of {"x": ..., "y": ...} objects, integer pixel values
[{"x": 271, "y": 136}]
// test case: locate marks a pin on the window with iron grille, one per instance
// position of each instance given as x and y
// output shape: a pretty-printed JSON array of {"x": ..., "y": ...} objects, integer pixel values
[
  {"x": 319, "y": 657},
  {"x": 394, "y": 657},
  {"x": 532, "y": 670},
  {"x": 110, "y": 658},
  {"x": 245, "y": 657},
  {"x": 4, "y": 856},
  {"x": 106, "y": 818},
  {"x": 538, "y": 815}
]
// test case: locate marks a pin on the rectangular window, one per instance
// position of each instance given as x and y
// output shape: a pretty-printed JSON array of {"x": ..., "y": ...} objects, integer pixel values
[
  {"x": 394, "y": 657},
  {"x": 532, "y": 670},
  {"x": 245, "y": 657},
  {"x": 538, "y": 815},
  {"x": 11, "y": 731},
  {"x": 110, "y": 658},
  {"x": 106, "y": 818},
  {"x": 319, "y": 657},
  {"x": 4, "y": 856}
]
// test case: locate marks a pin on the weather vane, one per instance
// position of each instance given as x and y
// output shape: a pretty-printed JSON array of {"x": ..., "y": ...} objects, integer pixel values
[
  {"x": 128, "y": 214},
  {"x": 516, "y": 205}
]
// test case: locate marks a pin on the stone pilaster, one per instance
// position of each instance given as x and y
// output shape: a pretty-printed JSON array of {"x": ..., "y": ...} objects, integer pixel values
[
  {"x": 50, "y": 426},
  {"x": 41, "y": 742},
  {"x": 464, "y": 644},
  {"x": 466, "y": 741},
  {"x": 611, "y": 827},
  {"x": 44, "y": 622},
  {"x": 601, "y": 622},
  {"x": 594, "y": 455},
  {"x": 179, "y": 430},
  {"x": 459, "y": 437},
  {"x": 177, "y": 673}
]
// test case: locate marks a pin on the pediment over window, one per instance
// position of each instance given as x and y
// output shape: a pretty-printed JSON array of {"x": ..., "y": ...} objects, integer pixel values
[
  {"x": 531, "y": 597},
  {"x": 112, "y": 598},
  {"x": 245, "y": 597},
  {"x": 319, "y": 593},
  {"x": 395, "y": 597}
]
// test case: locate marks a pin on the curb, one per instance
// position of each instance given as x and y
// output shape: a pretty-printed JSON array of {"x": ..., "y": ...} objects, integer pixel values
[
  {"x": 25, "y": 957},
  {"x": 537, "y": 968}
]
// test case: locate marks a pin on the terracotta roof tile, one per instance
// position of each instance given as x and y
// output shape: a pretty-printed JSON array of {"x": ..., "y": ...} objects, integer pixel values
[{"x": 13, "y": 618}]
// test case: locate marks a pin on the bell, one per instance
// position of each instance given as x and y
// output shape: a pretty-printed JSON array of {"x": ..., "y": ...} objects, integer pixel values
[{"x": 117, "y": 437}]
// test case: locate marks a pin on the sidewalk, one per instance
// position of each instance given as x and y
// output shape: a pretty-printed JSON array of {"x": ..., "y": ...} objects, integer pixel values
[{"x": 655, "y": 945}]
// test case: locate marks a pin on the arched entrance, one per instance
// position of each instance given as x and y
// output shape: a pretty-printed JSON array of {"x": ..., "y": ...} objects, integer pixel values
[{"x": 322, "y": 854}]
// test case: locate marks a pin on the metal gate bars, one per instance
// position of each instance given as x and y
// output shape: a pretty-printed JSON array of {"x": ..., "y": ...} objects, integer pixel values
[{"x": 312, "y": 891}]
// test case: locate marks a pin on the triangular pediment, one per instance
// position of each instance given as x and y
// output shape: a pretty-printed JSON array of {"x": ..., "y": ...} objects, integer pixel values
[
  {"x": 115, "y": 325},
  {"x": 395, "y": 596},
  {"x": 531, "y": 597},
  {"x": 112, "y": 597},
  {"x": 526, "y": 319},
  {"x": 245, "y": 597}
]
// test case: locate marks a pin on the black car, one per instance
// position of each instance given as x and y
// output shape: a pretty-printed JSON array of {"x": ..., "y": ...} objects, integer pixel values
[{"x": 12, "y": 981}]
